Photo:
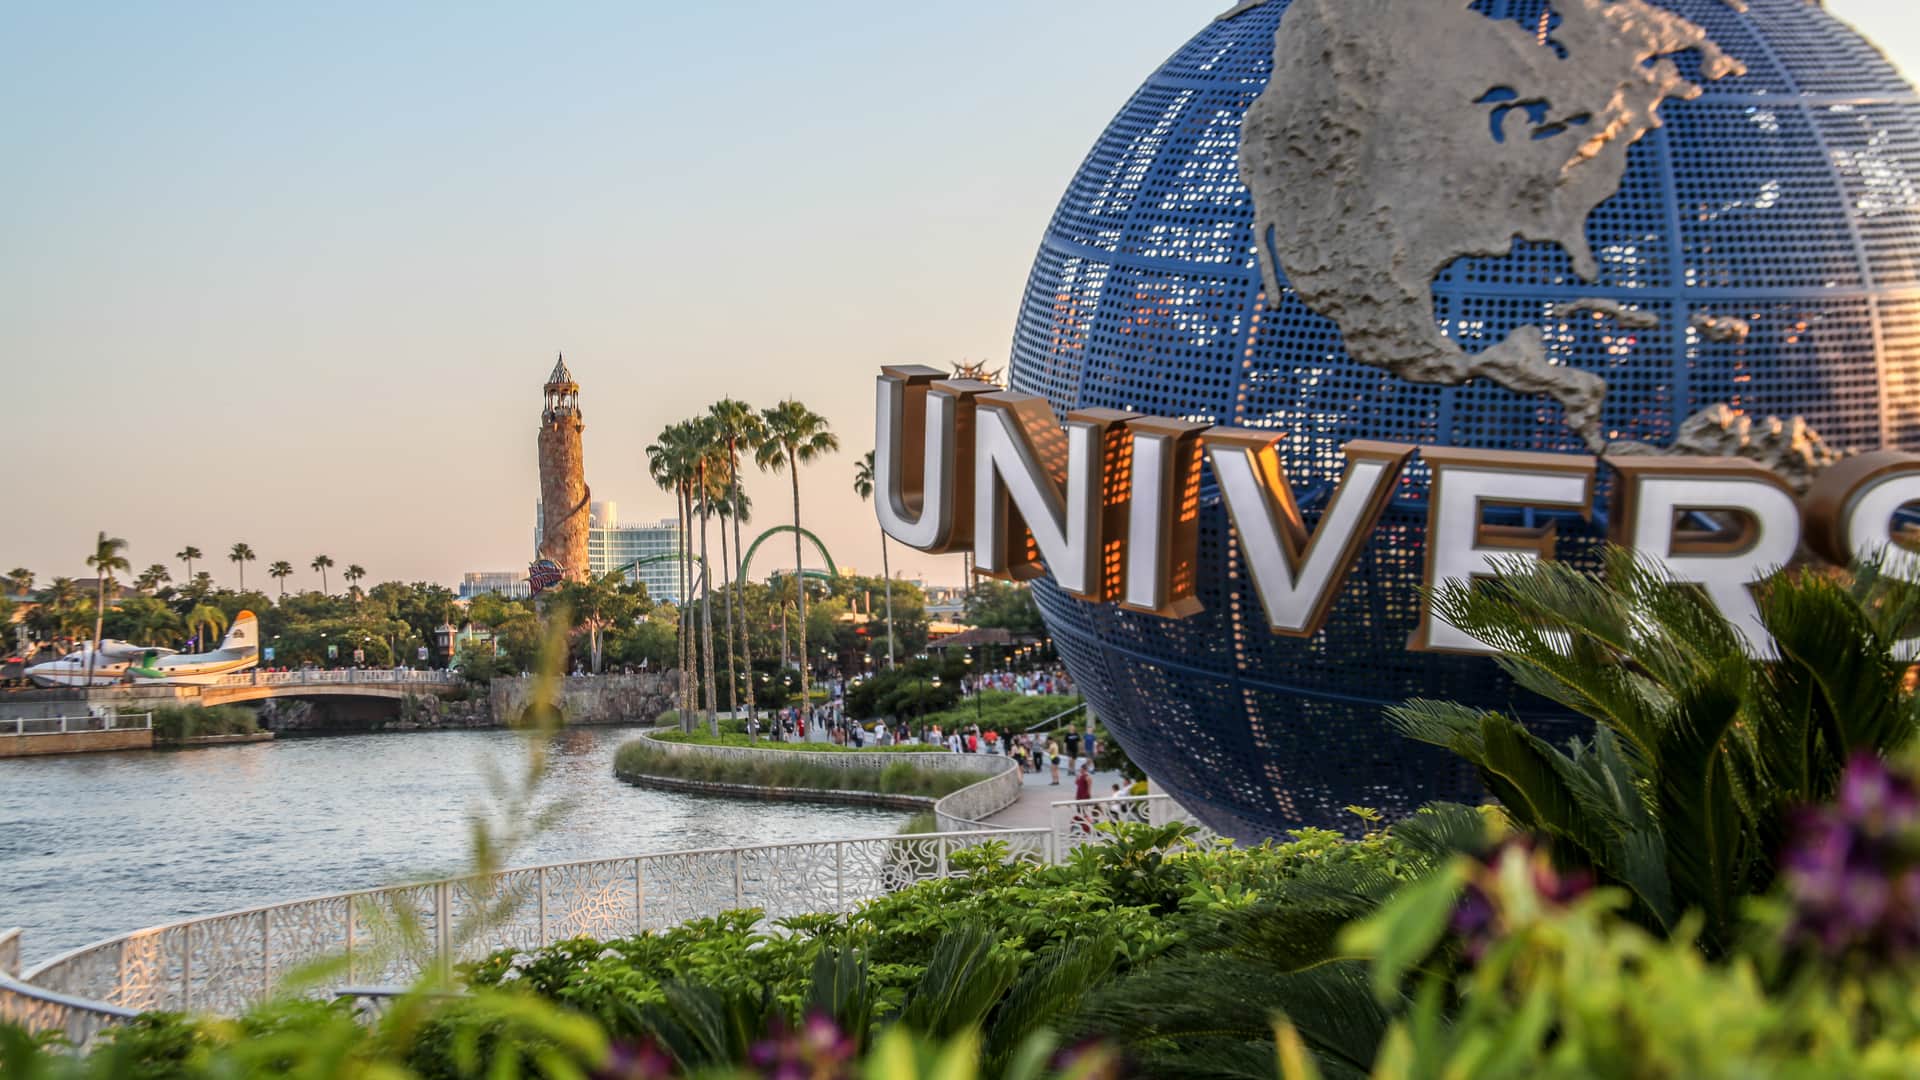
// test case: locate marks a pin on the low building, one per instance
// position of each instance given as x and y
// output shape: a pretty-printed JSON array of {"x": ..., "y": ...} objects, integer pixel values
[
  {"x": 511, "y": 584},
  {"x": 645, "y": 552}
]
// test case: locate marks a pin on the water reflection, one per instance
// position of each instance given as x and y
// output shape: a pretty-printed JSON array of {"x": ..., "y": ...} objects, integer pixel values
[{"x": 97, "y": 844}]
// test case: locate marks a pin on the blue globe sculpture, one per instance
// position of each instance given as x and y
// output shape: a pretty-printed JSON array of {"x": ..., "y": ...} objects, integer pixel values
[{"x": 1765, "y": 234}]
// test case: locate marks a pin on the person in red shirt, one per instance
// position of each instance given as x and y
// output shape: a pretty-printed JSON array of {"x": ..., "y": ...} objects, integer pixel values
[{"x": 1083, "y": 784}]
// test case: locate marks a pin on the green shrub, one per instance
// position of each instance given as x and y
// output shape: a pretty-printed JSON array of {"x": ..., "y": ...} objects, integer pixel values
[
  {"x": 636, "y": 760},
  {"x": 739, "y": 738},
  {"x": 1003, "y": 710},
  {"x": 176, "y": 723}
]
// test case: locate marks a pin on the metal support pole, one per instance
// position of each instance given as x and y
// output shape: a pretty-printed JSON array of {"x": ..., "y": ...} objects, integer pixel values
[
  {"x": 639, "y": 899},
  {"x": 739, "y": 890},
  {"x": 442, "y": 909},
  {"x": 266, "y": 952},
  {"x": 839, "y": 875},
  {"x": 543, "y": 907},
  {"x": 186, "y": 968}
]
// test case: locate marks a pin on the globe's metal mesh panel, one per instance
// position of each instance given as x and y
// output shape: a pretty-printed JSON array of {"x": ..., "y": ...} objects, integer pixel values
[{"x": 1788, "y": 197}]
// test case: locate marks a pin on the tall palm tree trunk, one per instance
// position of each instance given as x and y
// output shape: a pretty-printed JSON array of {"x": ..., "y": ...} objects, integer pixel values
[
  {"x": 746, "y": 637},
  {"x": 726, "y": 593},
  {"x": 706, "y": 615},
  {"x": 886, "y": 572},
  {"x": 689, "y": 678},
  {"x": 800, "y": 585},
  {"x": 99, "y": 620}
]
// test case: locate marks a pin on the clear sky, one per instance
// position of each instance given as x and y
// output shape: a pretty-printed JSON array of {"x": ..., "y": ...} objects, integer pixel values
[{"x": 293, "y": 274}]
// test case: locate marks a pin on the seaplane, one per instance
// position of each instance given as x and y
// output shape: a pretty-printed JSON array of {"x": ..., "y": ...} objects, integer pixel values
[
  {"x": 85, "y": 667},
  {"x": 238, "y": 651}
]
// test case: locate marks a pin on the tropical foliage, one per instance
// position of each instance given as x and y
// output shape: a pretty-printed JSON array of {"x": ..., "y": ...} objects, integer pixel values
[{"x": 1699, "y": 754}]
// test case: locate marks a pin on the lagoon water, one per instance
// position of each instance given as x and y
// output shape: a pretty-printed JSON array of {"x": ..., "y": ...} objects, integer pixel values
[{"x": 93, "y": 845}]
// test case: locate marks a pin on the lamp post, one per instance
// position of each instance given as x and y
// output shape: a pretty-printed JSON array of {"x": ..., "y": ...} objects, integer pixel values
[{"x": 976, "y": 689}]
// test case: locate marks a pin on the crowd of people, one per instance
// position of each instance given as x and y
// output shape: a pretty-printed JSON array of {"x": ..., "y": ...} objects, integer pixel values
[{"x": 1071, "y": 751}]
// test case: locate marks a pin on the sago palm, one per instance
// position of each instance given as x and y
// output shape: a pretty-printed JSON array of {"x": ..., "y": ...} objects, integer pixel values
[
  {"x": 321, "y": 563},
  {"x": 1699, "y": 752},
  {"x": 796, "y": 435},
  {"x": 109, "y": 555},
  {"x": 738, "y": 427},
  {"x": 863, "y": 487},
  {"x": 240, "y": 555}
]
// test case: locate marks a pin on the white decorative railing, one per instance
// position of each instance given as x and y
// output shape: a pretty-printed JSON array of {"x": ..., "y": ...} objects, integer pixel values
[
  {"x": 63, "y": 725},
  {"x": 335, "y": 676},
  {"x": 223, "y": 963},
  {"x": 1078, "y": 821}
]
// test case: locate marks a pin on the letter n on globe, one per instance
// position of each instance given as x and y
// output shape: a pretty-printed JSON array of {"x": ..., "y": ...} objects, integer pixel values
[{"x": 1047, "y": 498}]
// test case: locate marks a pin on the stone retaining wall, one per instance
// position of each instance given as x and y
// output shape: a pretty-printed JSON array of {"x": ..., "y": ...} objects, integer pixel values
[
  {"x": 75, "y": 742},
  {"x": 598, "y": 699}
]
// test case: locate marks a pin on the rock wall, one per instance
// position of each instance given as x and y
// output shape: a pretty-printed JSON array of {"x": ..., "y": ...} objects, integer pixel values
[{"x": 588, "y": 699}]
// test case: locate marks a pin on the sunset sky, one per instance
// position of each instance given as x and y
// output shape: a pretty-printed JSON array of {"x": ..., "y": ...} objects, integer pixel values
[{"x": 293, "y": 275}]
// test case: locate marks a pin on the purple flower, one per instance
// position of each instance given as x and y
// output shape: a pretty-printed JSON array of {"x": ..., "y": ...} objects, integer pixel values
[
  {"x": 1851, "y": 869},
  {"x": 635, "y": 1061},
  {"x": 1477, "y": 921},
  {"x": 819, "y": 1050}
]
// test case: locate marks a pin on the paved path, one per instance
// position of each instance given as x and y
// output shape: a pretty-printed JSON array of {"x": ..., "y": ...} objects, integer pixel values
[{"x": 1037, "y": 795}]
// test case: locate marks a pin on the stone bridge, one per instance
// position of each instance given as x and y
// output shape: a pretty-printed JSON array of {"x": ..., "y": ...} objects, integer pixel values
[{"x": 388, "y": 684}]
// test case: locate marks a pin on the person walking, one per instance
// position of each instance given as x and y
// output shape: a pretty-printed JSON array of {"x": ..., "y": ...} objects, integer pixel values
[{"x": 1053, "y": 761}]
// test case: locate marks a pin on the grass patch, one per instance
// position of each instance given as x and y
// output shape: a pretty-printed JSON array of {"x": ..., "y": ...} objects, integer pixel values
[
  {"x": 177, "y": 723},
  {"x": 1003, "y": 710},
  {"x": 896, "y": 778},
  {"x": 727, "y": 738},
  {"x": 926, "y": 821}
]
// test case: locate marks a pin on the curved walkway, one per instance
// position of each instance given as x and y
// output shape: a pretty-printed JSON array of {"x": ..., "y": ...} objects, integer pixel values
[{"x": 1033, "y": 809}]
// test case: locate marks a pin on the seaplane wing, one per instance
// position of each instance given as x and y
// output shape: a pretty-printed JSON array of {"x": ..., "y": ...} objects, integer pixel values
[
  {"x": 127, "y": 650},
  {"x": 238, "y": 651}
]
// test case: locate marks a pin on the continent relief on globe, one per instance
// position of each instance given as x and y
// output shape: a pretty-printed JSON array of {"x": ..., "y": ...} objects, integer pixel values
[{"x": 1398, "y": 136}]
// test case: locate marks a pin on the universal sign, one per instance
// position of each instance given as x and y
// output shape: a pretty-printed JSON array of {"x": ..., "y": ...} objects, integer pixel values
[{"x": 1109, "y": 501}]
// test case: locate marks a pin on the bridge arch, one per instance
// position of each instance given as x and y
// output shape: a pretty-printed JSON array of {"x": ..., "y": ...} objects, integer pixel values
[{"x": 825, "y": 555}]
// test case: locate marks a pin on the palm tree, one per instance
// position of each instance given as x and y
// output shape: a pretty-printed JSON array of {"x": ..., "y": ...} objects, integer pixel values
[
  {"x": 280, "y": 571},
  {"x": 106, "y": 558},
  {"x": 152, "y": 578},
  {"x": 706, "y": 451},
  {"x": 738, "y": 426},
  {"x": 240, "y": 555},
  {"x": 721, "y": 493},
  {"x": 1700, "y": 754},
  {"x": 354, "y": 573},
  {"x": 20, "y": 581},
  {"x": 863, "y": 486},
  {"x": 187, "y": 555},
  {"x": 795, "y": 436},
  {"x": 321, "y": 563},
  {"x": 206, "y": 616},
  {"x": 670, "y": 464}
]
